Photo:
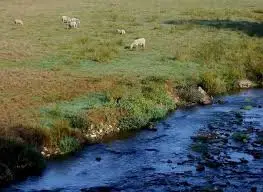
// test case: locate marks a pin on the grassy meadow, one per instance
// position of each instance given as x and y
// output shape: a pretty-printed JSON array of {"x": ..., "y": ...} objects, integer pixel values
[{"x": 61, "y": 87}]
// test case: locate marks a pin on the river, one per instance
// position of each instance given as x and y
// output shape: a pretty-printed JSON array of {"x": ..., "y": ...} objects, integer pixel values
[{"x": 163, "y": 160}]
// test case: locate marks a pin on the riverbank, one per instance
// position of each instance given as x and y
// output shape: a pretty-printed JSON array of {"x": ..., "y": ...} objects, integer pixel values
[
  {"x": 71, "y": 139},
  {"x": 168, "y": 159}
]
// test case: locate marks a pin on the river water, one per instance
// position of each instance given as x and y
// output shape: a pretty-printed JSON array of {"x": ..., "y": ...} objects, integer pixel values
[{"x": 162, "y": 160}]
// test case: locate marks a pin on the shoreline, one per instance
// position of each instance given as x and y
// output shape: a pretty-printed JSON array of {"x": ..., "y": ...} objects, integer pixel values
[{"x": 115, "y": 133}]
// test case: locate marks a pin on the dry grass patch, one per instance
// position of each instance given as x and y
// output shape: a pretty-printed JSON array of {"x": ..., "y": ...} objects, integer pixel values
[{"x": 23, "y": 90}]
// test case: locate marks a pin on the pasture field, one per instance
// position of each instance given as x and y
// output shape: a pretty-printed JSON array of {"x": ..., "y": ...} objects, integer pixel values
[{"x": 58, "y": 85}]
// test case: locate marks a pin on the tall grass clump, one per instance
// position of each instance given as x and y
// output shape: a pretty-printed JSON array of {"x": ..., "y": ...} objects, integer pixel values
[
  {"x": 150, "y": 103},
  {"x": 59, "y": 130},
  {"x": 255, "y": 70},
  {"x": 69, "y": 145},
  {"x": 64, "y": 138},
  {"x": 213, "y": 83},
  {"x": 78, "y": 120}
]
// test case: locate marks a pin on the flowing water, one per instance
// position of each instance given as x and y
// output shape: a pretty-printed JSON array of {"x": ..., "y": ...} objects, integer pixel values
[{"x": 162, "y": 160}]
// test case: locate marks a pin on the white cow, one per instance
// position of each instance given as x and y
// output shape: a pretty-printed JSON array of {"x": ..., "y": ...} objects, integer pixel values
[
  {"x": 65, "y": 19},
  {"x": 75, "y": 20},
  {"x": 72, "y": 24},
  {"x": 121, "y": 31},
  {"x": 18, "y": 22},
  {"x": 138, "y": 42}
]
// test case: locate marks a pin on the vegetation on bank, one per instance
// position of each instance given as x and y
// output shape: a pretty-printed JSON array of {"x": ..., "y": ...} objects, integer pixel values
[
  {"x": 62, "y": 88},
  {"x": 18, "y": 160}
]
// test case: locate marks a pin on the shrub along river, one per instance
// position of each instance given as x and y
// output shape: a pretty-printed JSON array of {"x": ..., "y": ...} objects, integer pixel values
[{"x": 204, "y": 148}]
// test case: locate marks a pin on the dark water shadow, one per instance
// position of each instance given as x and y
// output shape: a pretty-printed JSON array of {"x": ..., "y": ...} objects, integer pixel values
[{"x": 248, "y": 27}]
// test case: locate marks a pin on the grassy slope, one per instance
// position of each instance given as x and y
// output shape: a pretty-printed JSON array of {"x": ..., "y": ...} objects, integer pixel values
[{"x": 49, "y": 74}]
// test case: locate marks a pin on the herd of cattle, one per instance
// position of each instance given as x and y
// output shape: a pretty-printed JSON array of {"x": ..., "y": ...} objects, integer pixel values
[{"x": 75, "y": 23}]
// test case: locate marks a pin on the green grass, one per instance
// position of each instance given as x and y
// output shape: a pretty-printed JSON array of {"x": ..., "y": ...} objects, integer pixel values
[
  {"x": 68, "y": 145},
  {"x": 73, "y": 111},
  {"x": 173, "y": 51},
  {"x": 141, "y": 102},
  {"x": 188, "y": 43}
]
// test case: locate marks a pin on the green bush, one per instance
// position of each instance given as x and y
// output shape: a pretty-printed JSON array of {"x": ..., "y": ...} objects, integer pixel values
[
  {"x": 156, "y": 92},
  {"x": 255, "y": 70},
  {"x": 231, "y": 75},
  {"x": 131, "y": 123},
  {"x": 149, "y": 103},
  {"x": 137, "y": 106},
  {"x": 158, "y": 113},
  {"x": 213, "y": 83},
  {"x": 77, "y": 121},
  {"x": 144, "y": 108},
  {"x": 68, "y": 145},
  {"x": 58, "y": 131}
]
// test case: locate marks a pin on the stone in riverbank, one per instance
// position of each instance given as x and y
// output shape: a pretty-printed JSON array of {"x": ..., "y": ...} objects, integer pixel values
[
  {"x": 192, "y": 95},
  {"x": 205, "y": 99},
  {"x": 245, "y": 84}
]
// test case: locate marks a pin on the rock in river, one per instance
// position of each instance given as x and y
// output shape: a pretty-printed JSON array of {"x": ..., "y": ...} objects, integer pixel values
[{"x": 200, "y": 167}]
